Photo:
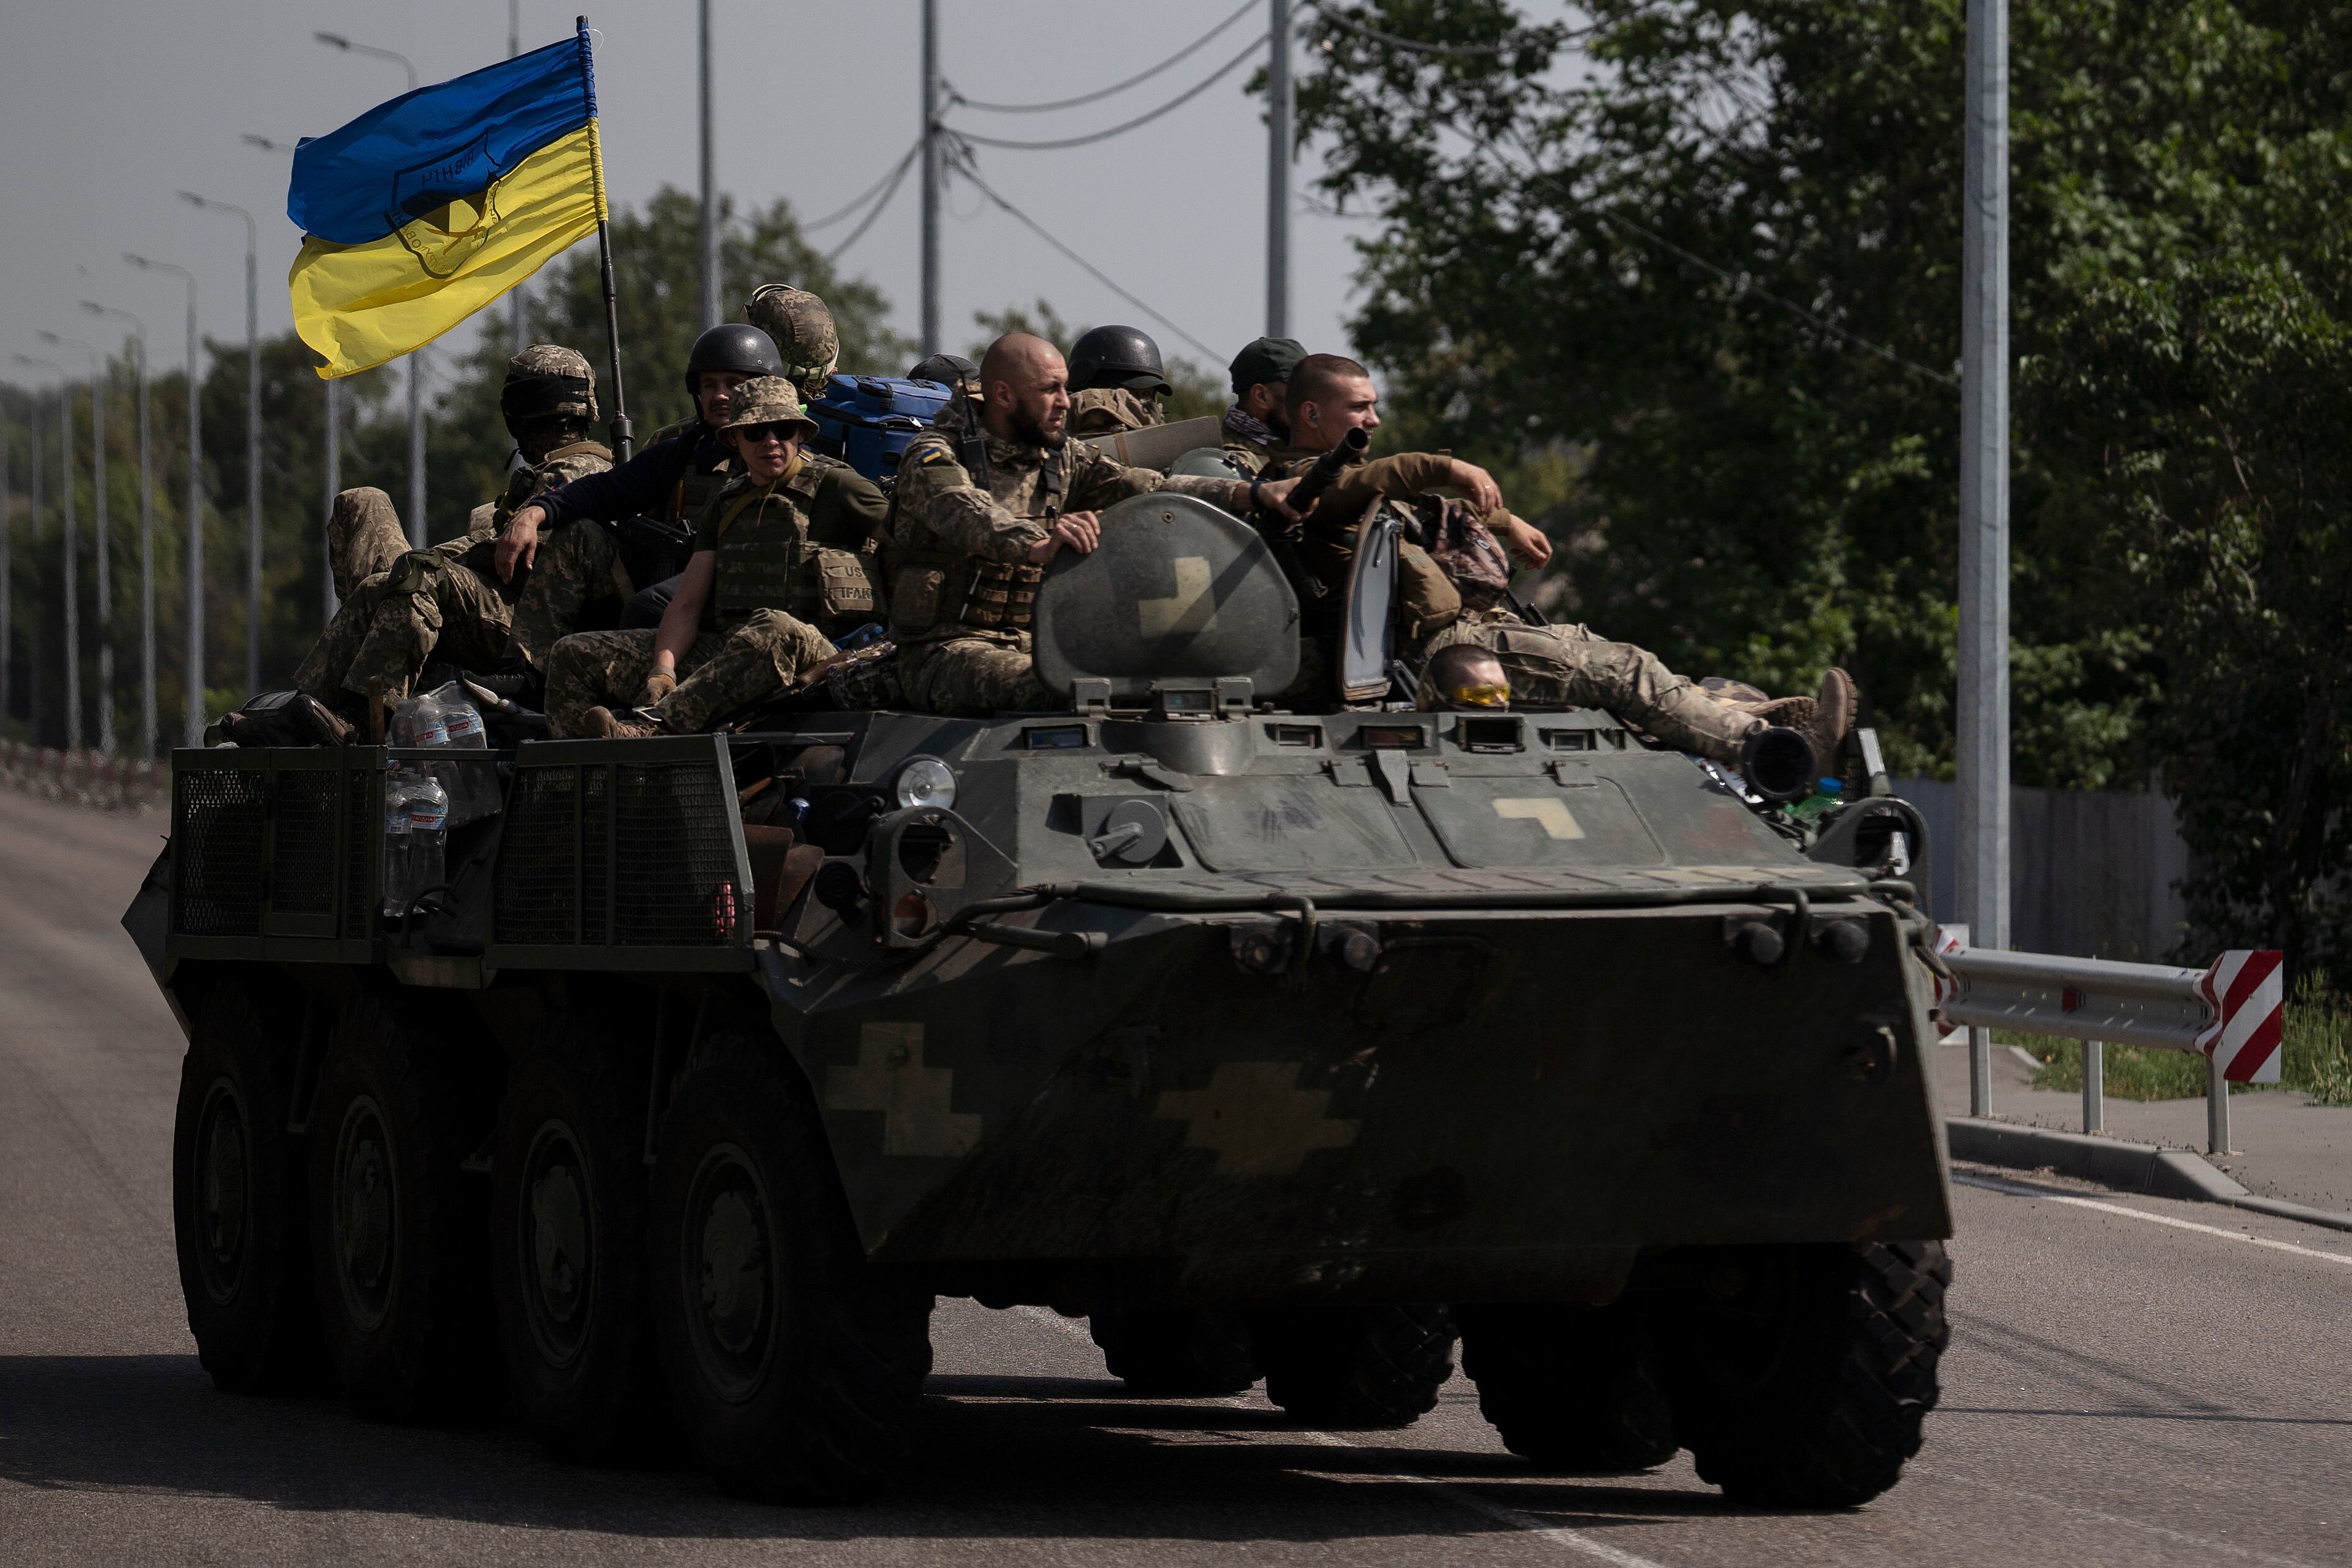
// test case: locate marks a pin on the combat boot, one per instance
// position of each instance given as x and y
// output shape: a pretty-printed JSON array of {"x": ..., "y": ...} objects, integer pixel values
[
  {"x": 603, "y": 724},
  {"x": 1832, "y": 718}
]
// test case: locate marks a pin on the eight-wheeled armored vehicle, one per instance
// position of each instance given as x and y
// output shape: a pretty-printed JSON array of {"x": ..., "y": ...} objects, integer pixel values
[{"x": 1299, "y": 1040}]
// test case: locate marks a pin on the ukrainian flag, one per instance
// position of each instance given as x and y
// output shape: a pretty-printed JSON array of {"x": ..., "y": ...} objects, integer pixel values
[{"x": 426, "y": 208}]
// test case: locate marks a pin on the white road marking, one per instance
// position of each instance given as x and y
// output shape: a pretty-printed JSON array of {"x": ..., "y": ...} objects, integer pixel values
[
  {"x": 2180, "y": 1535},
  {"x": 2012, "y": 1190},
  {"x": 1557, "y": 1535}
]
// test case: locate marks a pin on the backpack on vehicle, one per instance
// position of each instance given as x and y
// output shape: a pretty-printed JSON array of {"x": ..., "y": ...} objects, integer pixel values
[{"x": 869, "y": 421}]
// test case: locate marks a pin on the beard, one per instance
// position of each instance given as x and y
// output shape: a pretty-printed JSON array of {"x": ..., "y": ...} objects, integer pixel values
[
  {"x": 1279, "y": 424},
  {"x": 1026, "y": 428}
]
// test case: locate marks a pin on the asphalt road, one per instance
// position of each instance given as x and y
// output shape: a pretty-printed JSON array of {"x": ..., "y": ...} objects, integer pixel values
[{"x": 2130, "y": 1382}]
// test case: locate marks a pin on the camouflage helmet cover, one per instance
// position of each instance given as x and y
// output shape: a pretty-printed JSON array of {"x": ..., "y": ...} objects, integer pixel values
[
  {"x": 802, "y": 328},
  {"x": 547, "y": 381},
  {"x": 767, "y": 400}
]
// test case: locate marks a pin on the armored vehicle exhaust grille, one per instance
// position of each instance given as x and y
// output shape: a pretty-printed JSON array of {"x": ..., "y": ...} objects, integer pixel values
[{"x": 624, "y": 851}]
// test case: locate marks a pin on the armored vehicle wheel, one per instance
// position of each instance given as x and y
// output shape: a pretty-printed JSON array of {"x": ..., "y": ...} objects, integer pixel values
[
  {"x": 1571, "y": 1388},
  {"x": 1354, "y": 1366},
  {"x": 568, "y": 1244},
  {"x": 398, "y": 1230},
  {"x": 1176, "y": 1354},
  {"x": 1799, "y": 1374},
  {"x": 240, "y": 1209},
  {"x": 794, "y": 1367}
]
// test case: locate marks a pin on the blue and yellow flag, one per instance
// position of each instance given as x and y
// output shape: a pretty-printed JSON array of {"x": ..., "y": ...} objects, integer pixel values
[{"x": 426, "y": 208}]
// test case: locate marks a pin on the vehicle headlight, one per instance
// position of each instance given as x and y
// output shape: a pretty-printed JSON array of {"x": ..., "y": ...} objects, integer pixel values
[{"x": 925, "y": 781}]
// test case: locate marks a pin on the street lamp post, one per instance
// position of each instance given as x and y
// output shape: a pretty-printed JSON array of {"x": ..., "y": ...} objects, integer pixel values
[
  {"x": 146, "y": 536},
  {"x": 416, "y": 355},
  {"x": 191, "y": 722},
  {"x": 72, "y": 545},
  {"x": 101, "y": 382},
  {"x": 252, "y": 436}
]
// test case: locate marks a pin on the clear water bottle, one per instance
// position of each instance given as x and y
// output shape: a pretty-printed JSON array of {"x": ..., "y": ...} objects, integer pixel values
[
  {"x": 460, "y": 719},
  {"x": 418, "y": 721},
  {"x": 428, "y": 836},
  {"x": 472, "y": 786},
  {"x": 397, "y": 834}
]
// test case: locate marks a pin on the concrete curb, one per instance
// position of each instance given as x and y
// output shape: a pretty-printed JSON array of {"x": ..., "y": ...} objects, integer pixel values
[{"x": 2111, "y": 1162}]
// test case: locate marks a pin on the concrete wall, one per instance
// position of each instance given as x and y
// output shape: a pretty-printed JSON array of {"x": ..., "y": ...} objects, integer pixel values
[{"x": 2092, "y": 873}]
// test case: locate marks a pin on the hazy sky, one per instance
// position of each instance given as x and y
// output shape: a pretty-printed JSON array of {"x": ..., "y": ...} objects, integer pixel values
[{"x": 107, "y": 107}]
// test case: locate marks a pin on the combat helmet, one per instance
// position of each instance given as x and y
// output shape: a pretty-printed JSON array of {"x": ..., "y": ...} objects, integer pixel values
[
  {"x": 1117, "y": 356},
  {"x": 950, "y": 370},
  {"x": 547, "y": 381},
  {"x": 733, "y": 345},
  {"x": 802, "y": 325}
]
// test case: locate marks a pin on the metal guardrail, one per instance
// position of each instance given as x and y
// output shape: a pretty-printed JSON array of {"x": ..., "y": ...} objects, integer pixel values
[
  {"x": 82, "y": 777},
  {"x": 2230, "y": 1013}
]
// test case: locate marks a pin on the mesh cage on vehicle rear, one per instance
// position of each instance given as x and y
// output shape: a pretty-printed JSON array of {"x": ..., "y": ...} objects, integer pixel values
[
  {"x": 619, "y": 854},
  {"x": 217, "y": 819},
  {"x": 260, "y": 845}
]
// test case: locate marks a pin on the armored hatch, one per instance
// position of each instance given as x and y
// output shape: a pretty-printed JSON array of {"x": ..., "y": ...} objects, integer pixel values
[{"x": 1179, "y": 597}]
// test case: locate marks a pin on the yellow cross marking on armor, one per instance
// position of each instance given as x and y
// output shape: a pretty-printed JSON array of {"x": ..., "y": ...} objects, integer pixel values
[
  {"x": 890, "y": 1077},
  {"x": 1189, "y": 610},
  {"x": 1256, "y": 1118},
  {"x": 1548, "y": 814}
]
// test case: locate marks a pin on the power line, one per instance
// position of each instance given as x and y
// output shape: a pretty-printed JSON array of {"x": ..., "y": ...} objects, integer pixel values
[
  {"x": 961, "y": 161},
  {"x": 860, "y": 199},
  {"x": 1177, "y": 57},
  {"x": 1415, "y": 46},
  {"x": 1738, "y": 283},
  {"x": 896, "y": 176},
  {"x": 1172, "y": 105}
]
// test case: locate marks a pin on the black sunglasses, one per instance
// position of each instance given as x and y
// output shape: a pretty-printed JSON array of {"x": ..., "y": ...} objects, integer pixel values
[{"x": 755, "y": 435}]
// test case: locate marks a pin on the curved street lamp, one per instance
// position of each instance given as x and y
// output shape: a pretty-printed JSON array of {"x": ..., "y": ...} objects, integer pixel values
[
  {"x": 191, "y": 724},
  {"x": 72, "y": 545},
  {"x": 146, "y": 536},
  {"x": 98, "y": 379}
]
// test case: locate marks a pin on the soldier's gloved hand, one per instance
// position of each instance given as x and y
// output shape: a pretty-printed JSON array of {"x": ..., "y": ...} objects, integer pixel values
[
  {"x": 658, "y": 684},
  {"x": 1527, "y": 543},
  {"x": 1079, "y": 530},
  {"x": 519, "y": 541},
  {"x": 1478, "y": 485}
]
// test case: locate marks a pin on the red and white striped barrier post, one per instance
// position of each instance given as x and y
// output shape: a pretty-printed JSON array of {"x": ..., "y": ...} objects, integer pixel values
[{"x": 2247, "y": 991}]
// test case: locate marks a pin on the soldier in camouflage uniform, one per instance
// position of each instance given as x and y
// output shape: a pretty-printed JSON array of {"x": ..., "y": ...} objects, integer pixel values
[
  {"x": 448, "y": 602},
  {"x": 1116, "y": 379},
  {"x": 1256, "y": 423},
  {"x": 363, "y": 538},
  {"x": 980, "y": 507},
  {"x": 782, "y": 562}
]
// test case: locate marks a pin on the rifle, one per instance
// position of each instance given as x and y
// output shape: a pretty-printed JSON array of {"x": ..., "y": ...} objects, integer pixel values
[{"x": 1282, "y": 536}]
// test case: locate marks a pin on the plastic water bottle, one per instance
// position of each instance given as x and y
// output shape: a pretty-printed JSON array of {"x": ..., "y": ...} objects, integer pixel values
[
  {"x": 1827, "y": 793},
  {"x": 397, "y": 834},
  {"x": 429, "y": 837},
  {"x": 460, "y": 719},
  {"x": 418, "y": 721}
]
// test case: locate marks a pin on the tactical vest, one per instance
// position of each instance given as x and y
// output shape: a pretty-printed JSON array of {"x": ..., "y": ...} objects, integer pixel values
[
  {"x": 527, "y": 483},
  {"x": 766, "y": 560},
  {"x": 696, "y": 484},
  {"x": 933, "y": 588}
]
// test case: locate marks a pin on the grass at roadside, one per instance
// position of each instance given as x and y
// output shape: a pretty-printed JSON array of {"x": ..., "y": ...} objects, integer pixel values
[{"x": 2317, "y": 1057}]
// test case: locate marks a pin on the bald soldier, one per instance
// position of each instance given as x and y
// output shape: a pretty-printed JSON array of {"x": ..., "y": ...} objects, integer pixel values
[{"x": 978, "y": 512}]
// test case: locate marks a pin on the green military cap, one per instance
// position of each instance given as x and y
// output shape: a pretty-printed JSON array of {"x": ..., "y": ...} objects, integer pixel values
[
  {"x": 767, "y": 400},
  {"x": 1266, "y": 359}
]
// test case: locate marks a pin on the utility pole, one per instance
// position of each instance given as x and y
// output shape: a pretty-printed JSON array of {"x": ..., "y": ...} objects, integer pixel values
[
  {"x": 146, "y": 536},
  {"x": 709, "y": 235},
  {"x": 192, "y": 570},
  {"x": 517, "y": 301},
  {"x": 933, "y": 174},
  {"x": 1277, "y": 172},
  {"x": 1984, "y": 511},
  {"x": 72, "y": 586},
  {"x": 416, "y": 355},
  {"x": 101, "y": 383},
  {"x": 253, "y": 438}
]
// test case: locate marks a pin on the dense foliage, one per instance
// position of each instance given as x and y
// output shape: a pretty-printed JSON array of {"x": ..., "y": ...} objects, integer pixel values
[{"x": 1687, "y": 270}]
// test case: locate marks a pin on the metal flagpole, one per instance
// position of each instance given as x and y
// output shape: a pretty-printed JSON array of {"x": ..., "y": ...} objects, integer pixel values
[
  {"x": 517, "y": 301},
  {"x": 73, "y": 588},
  {"x": 192, "y": 570},
  {"x": 1984, "y": 511},
  {"x": 708, "y": 250},
  {"x": 932, "y": 177},
  {"x": 622, "y": 441},
  {"x": 100, "y": 384},
  {"x": 1278, "y": 174},
  {"x": 333, "y": 470},
  {"x": 146, "y": 536}
]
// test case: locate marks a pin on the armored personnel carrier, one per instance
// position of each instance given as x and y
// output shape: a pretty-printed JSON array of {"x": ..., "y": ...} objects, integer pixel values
[{"x": 1299, "y": 1040}]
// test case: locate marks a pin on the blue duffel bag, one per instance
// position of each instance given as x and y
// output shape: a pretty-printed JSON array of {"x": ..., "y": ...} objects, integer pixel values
[{"x": 869, "y": 421}]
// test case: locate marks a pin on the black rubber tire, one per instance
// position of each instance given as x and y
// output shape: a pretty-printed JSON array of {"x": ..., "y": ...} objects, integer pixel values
[
  {"x": 399, "y": 1232},
  {"x": 1348, "y": 1366},
  {"x": 1798, "y": 1376},
  {"x": 240, "y": 1203},
  {"x": 568, "y": 1244},
  {"x": 1573, "y": 1388},
  {"x": 1176, "y": 1354},
  {"x": 794, "y": 1367}
]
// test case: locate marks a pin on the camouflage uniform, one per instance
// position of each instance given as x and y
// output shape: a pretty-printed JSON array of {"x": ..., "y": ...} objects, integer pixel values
[
  {"x": 1106, "y": 411},
  {"x": 363, "y": 538},
  {"x": 961, "y": 582},
  {"x": 446, "y": 600},
  {"x": 794, "y": 563}
]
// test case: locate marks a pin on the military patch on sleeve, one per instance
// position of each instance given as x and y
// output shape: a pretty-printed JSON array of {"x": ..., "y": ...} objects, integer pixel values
[{"x": 930, "y": 454}]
